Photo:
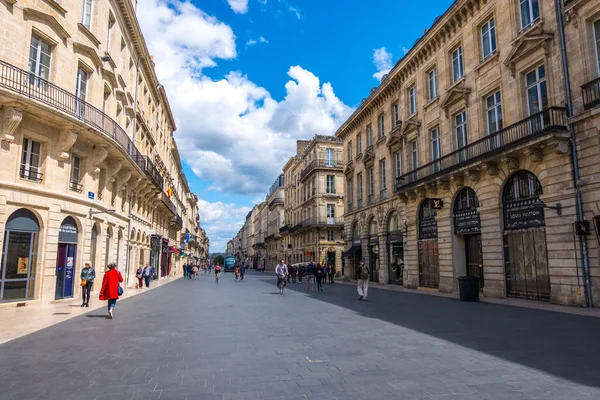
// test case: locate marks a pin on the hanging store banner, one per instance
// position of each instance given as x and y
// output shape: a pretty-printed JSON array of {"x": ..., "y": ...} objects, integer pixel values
[
  {"x": 467, "y": 223},
  {"x": 531, "y": 216}
]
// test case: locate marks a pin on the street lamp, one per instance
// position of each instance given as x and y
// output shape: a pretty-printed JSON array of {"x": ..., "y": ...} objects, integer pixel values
[{"x": 108, "y": 211}]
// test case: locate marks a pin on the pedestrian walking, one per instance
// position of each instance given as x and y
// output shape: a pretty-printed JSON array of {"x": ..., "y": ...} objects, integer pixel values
[
  {"x": 331, "y": 272},
  {"x": 88, "y": 274},
  {"x": 185, "y": 270},
  {"x": 139, "y": 274},
  {"x": 310, "y": 277},
  {"x": 301, "y": 272},
  {"x": 237, "y": 272},
  {"x": 362, "y": 284},
  {"x": 320, "y": 274},
  {"x": 111, "y": 288},
  {"x": 242, "y": 272},
  {"x": 195, "y": 271},
  {"x": 148, "y": 272}
]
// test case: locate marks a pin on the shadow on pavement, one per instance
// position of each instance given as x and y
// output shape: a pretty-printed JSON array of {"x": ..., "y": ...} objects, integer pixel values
[
  {"x": 97, "y": 316},
  {"x": 564, "y": 345}
]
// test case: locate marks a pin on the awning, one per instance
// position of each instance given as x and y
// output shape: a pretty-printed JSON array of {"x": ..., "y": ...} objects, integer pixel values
[
  {"x": 173, "y": 250},
  {"x": 351, "y": 251}
]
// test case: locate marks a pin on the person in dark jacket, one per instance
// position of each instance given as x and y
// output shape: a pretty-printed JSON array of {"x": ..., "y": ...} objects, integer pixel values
[
  {"x": 88, "y": 274},
  {"x": 110, "y": 287},
  {"x": 320, "y": 275}
]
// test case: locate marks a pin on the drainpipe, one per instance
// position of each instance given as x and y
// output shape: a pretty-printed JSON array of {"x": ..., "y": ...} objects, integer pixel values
[
  {"x": 128, "y": 243},
  {"x": 135, "y": 102},
  {"x": 585, "y": 265}
]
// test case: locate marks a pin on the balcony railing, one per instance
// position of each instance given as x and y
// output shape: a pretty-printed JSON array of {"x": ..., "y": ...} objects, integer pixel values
[
  {"x": 550, "y": 119},
  {"x": 32, "y": 87},
  {"x": 75, "y": 187},
  {"x": 383, "y": 194},
  {"x": 30, "y": 174},
  {"x": 284, "y": 228},
  {"x": 177, "y": 221},
  {"x": 148, "y": 167},
  {"x": 168, "y": 203},
  {"x": 325, "y": 221},
  {"x": 591, "y": 94},
  {"x": 360, "y": 203},
  {"x": 371, "y": 199},
  {"x": 350, "y": 206},
  {"x": 321, "y": 163}
]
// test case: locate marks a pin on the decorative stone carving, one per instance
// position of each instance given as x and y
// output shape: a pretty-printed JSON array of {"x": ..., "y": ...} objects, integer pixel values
[
  {"x": 381, "y": 211},
  {"x": 457, "y": 179},
  {"x": 11, "y": 118},
  {"x": 534, "y": 154},
  {"x": 443, "y": 184},
  {"x": 99, "y": 154},
  {"x": 362, "y": 220},
  {"x": 124, "y": 176},
  {"x": 113, "y": 169},
  {"x": 561, "y": 146},
  {"x": 68, "y": 137},
  {"x": 431, "y": 188},
  {"x": 571, "y": 16},
  {"x": 473, "y": 175},
  {"x": 533, "y": 39},
  {"x": 511, "y": 162},
  {"x": 490, "y": 168}
]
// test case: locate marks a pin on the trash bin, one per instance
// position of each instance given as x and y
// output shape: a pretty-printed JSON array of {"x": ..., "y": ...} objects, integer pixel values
[{"x": 468, "y": 288}]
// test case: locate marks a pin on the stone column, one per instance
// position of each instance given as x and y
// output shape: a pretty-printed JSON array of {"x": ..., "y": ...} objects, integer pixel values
[{"x": 383, "y": 260}]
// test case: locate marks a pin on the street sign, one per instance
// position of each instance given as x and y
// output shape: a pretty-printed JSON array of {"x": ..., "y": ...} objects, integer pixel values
[
  {"x": 582, "y": 228},
  {"x": 91, "y": 195}
]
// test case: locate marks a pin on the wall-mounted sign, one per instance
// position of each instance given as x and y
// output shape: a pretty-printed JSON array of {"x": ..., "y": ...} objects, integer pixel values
[
  {"x": 91, "y": 195},
  {"x": 582, "y": 228},
  {"x": 67, "y": 233},
  {"x": 437, "y": 204},
  {"x": 531, "y": 216},
  {"x": 428, "y": 228},
  {"x": 467, "y": 223}
]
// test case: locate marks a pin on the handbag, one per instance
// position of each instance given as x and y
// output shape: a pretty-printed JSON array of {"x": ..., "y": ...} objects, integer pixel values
[
  {"x": 120, "y": 290},
  {"x": 84, "y": 281}
]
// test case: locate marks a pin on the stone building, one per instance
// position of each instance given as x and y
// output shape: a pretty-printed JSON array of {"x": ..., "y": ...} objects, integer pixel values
[
  {"x": 459, "y": 163},
  {"x": 275, "y": 220},
  {"x": 91, "y": 172},
  {"x": 314, "y": 205}
]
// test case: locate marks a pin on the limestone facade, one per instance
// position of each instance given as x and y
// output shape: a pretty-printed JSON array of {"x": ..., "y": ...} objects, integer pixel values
[
  {"x": 458, "y": 163},
  {"x": 88, "y": 152}
]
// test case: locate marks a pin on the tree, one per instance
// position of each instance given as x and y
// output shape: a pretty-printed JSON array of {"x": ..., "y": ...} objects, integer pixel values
[{"x": 219, "y": 260}]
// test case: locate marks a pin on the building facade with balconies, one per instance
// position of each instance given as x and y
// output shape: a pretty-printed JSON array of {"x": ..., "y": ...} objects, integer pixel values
[
  {"x": 314, "y": 202},
  {"x": 459, "y": 163},
  {"x": 90, "y": 170},
  {"x": 275, "y": 220}
]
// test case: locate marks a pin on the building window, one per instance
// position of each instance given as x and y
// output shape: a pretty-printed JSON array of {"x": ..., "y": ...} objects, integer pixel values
[
  {"x": 75, "y": 174},
  {"x": 30, "y": 160},
  {"x": 457, "y": 64},
  {"x": 597, "y": 42},
  {"x": 39, "y": 61},
  {"x": 369, "y": 136},
  {"x": 530, "y": 12},
  {"x": 494, "y": 118},
  {"x": 350, "y": 151},
  {"x": 432, "y": 84},
  {"x": 330, "y": 184},
  {"x": 398, "y": 159},
  {"x": 381, "y": 125},
  {"x": 436, "y": 148},
  {"x": 371, "y": 181},
  {"x": 358, "y": 145},
  {"x": 111, "y": 22},
  {"x": 395, "y": 115},
  {"x": 359, "y": 179},
  {"x": 537, "y": 94},
  {"x": 412, "y": 100},
  {"x": 329, "y": 157},
  {"x": 350, "y": 191},
  {"x": 87, "y": 14},
  {"x": 414, "y": 152},
  {"x": 330, "y": 236},
  {"x": 382, "y": 177},
  {"x": 488, "y": 39},
  {"x": 460, "y": 129},
  {"x": 330, "y": 210}
]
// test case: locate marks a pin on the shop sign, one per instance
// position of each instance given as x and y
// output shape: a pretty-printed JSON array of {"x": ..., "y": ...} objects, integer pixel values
[
  {"x": 582, "y": 228},
  {"x": 437, "y": 204},
  {"x": 155, "y": 243},
  {"x": 91, "y": 195},
  {"x": 428, "y": 228},
  {"x": 523, "y": 218},
  {"x": 67, "y": 233},
  {"x": 467, "y": 223}
]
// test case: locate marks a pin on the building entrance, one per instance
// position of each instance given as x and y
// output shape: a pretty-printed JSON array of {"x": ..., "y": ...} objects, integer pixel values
[
  {"x": 429, "y": 266},
  {"x": 66, "y": 259}
]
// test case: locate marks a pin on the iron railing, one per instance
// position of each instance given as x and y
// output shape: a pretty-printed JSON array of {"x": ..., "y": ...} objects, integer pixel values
[
  {"x": 550, "y": 119},
  {"x": 148, "y": 167},
  {"x": 75, "y": 187},
  {"x": 591, "y": 94},
  {"x": 31, "y": 175},
  {"x": 315, "y": 221},
  {"x": 168, "y": 203},
  {"x": 383, "y": 194},
  {"x": 33, "y": 87},
  {"x": 178, "y": 221},
  {"x": 321, "y": 163}
]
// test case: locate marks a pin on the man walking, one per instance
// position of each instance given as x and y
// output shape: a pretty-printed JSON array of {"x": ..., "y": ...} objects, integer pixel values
[
  {"x": 362, "y": 283},
  {"x": 148, "y": 272},
  {"x": 88, "y": 274}
]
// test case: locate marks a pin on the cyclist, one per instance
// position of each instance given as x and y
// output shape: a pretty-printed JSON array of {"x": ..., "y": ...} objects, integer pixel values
[
  {"x": 282, "y": 272},
  {"x": 217, "y": 272}
]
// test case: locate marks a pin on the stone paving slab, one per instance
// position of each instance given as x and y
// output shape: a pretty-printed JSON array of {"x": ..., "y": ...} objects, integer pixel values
[{"x": 241, "y": 340}]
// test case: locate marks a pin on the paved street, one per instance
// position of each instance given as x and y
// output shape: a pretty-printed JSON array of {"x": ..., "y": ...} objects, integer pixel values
[{"x": 241, "y": 340}]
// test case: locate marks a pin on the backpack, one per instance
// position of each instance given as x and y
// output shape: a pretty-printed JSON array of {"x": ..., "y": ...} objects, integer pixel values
[{"x": 364, "y": 273}]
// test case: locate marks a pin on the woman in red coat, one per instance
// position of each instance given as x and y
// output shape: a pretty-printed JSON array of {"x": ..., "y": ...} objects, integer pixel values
[{"x": 110, "y": 287}]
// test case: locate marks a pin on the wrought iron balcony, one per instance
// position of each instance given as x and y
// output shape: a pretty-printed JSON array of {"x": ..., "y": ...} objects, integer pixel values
[
  {"x": 75, "y": 187},
  {"x": 148, "y": 167},
  {"x": 31, "y": 174},
  {"x": 323, "y": 164},
  {"x": 177, "y": 221},
  {"x": 32, "y": 87},
  {"x": 284, "y": 229},
  {"x": 168, "y": 203},
  {"x": 591, "y": 94},
  {"x": 550, "y": 119},
  {"x": 312, "y": 222}
]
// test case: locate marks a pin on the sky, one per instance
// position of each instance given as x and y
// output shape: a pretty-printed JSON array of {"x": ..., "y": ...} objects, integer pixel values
[{"x": 247, "y": 78}]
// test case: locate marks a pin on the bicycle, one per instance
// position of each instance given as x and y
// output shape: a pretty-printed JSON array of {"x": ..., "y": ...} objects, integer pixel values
[{"x": 281, "y": 284}]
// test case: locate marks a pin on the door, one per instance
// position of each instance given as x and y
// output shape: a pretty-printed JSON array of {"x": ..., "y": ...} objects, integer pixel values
[
  {"x": 429, "y": 268},
  {"x": 526, "y": 264},
  {"x": 396, "y": 263},
  {"x": 474, "y": 257},
  {"x": 65, "y": 270}
]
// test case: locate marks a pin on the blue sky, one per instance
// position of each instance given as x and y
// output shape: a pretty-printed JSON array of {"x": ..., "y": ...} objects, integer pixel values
[{"x": 247, "y": 78}]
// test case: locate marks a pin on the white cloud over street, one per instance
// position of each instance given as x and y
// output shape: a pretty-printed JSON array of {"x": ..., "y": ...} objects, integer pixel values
[
  {"x": 230, "y": 130},
  {"x": 383, "y": 62}
]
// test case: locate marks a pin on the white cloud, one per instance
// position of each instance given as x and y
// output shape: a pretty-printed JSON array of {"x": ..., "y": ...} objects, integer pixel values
[
  {"x": 239, "y": 6},
  {"x": 295, "y": 11},
  {"x": 252, "y": 42},
  {"x": 230, "y": 130},
  {"x": 383, "y": 62},
  {"x": 405, "y": 49},
  {"x": 222, "y": 221}
]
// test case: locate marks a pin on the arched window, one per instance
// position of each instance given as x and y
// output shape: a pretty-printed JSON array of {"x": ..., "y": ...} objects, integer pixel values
[
  {"x": 466, "y": 200},
  {"x": 522, "y": 187},
  {"x": 426, "y": 210},
  {"x": 94, "y": 244},
  {"x": 393, "y": 222},
  {"x": 373, "y": 227}
]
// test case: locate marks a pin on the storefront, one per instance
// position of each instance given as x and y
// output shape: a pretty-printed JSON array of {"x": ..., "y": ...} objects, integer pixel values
[
  {"x": 373, "y": 250},
  {"x": 66, "y": 259},
  {"x": 354, "y": 253},
  {"x": 395, "y": 243},
  {"x": 429, "y": 267},
  {"x": 164, "y": 258},
  {"x": 155, "y": 245},
  {"x": 19, "y": 256},
  {"x": 525, "y": 254},
  {"x": 467, "y": 227}
]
